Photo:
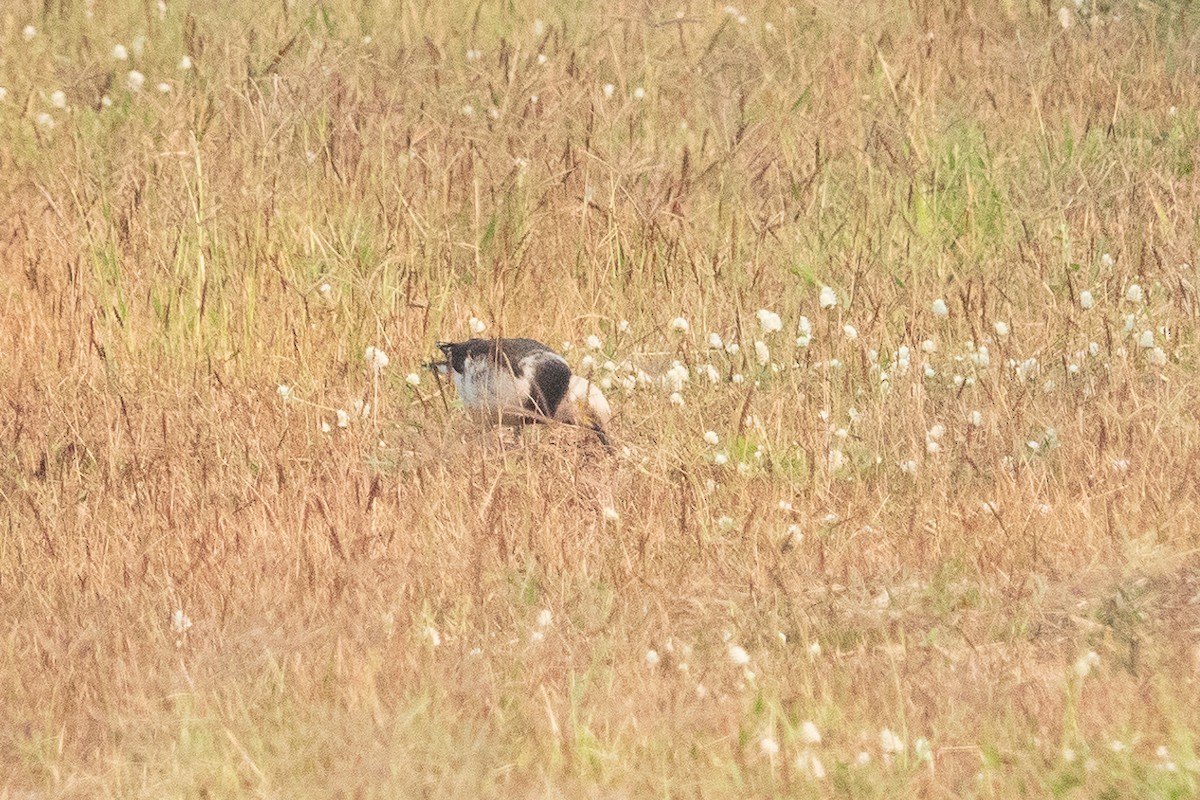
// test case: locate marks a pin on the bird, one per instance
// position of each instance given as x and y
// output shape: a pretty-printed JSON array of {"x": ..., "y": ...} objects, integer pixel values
[{"x": 516, "y": 382}]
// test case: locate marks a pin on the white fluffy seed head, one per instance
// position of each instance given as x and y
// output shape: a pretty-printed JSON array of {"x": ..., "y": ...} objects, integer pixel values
[
  {"x": 762, "y": 354},
  {"x": 376, "y": 358},
  {"x": 769, "y": 321}
]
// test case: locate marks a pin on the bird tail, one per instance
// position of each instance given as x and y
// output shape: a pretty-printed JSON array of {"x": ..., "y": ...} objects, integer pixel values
[{"x": 598, "y": 429}]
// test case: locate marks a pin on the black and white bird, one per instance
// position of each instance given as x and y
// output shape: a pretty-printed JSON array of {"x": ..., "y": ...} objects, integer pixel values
[{"x": 520, "y": 381}]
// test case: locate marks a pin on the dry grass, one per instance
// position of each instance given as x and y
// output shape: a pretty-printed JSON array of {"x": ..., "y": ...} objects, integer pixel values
[{"x": 367, "y": 604}]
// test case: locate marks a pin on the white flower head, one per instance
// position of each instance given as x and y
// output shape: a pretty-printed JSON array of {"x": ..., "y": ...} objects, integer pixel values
[
  {"x": 1134, "y": 293},
  {"x": 809, "y": 733},
  {"x": 476, "y": 325},
  {"x": 738, "y": 655},
  {"x": 652, "y": 658},
  {"x": 1086, "y": 663},
  {"x": 538, "y": 27},
  {"x": 180, "y": 622},
  {"x": 680, "y": 325},
  {"x": 1086, "y": 301},
  {"x": 608, "y": 90},
  {"x": 1064, "y": 17},
  {"x": 850, "y": 332},
  {"x": 413, "y": 379},
  {"x": 593, "y": 342},
  {"x": 1146, "y": 340},
  {"x": 715, "y": 342},
  {"x": 376, "y": 358},
  {"x": 940, "y": 309},
  {"x": 343, "y": 418},
  {"x": 676, "y": 399},
  {"x": 712, "y": 438},
  {"x": 45, "y": 121},
  {"x": 3, "y": 93},
  {"x": 1028, "y": 369},
  {"x": 610, "y": 514},
  {"x": 120, "y": 53},
  {"x": 1001, "y": 328},
  {"x": 164, "y": 88},
  {"x": 828, "y": 297},
  {"x": 769, "y": 321},
  {"x": 639, "y": 93},
  {"x": 28, "y": 32},
  {"x": 545, "y": 618},
  {"x": 285, "y": 391},
  {"x": 185, "y": 63},
  {"x": 762, "y": 354},
  {"x": 58, "y": 98},
  {"x": 1107, "y": 261},
  {"x": 676, "y": 377},
  {"x": 890, "y": 742},
  {"x": 135, "y": 80},
  {"x": 769, "y": 746}
]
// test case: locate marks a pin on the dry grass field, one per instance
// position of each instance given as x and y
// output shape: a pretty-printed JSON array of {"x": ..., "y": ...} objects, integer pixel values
[{"x": 894, "y": 302}]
